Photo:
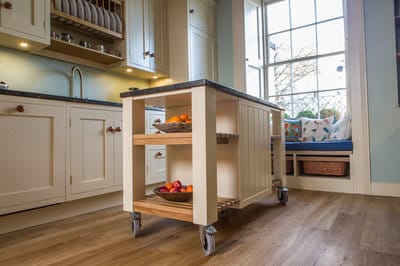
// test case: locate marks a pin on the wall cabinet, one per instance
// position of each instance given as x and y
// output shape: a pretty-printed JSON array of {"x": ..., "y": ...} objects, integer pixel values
[
  {"x": 96, "y": 151},
  {"x": 192, "y": 40},
  {"x": 147, "y": 37},
  {"x": 155, "y": 154},
  {"x": 32, "y": 157},
  {"x": 27, "y": 21}
]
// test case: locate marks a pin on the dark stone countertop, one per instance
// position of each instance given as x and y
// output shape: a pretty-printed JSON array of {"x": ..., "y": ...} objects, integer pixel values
[
  {"x": 198, "y": 83},
  {"x": 57, "y": 97}
]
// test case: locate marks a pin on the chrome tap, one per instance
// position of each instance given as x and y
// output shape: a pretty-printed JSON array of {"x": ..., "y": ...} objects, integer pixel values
[{"x": 81, "y": 78}]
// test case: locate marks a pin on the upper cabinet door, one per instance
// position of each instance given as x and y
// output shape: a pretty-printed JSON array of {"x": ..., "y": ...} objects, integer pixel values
[
  {"x": 158, "y": 37},
  {"x": 26, "y": 19}
]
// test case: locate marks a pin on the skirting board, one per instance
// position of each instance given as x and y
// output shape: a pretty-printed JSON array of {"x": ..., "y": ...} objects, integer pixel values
[
  {"x": 26, "y": 219},
  {"x": 321, "y": 184},
  {"x": 385, "y": 189}
]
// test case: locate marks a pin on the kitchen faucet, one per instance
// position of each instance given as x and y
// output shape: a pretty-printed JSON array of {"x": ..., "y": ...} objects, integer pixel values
[{"x": 81, "y": 79}]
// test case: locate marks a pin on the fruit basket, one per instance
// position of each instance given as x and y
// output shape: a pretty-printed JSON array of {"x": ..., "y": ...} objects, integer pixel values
[
  {"x": 174, "y": 196},
  {"x": 174, "y": 127}
]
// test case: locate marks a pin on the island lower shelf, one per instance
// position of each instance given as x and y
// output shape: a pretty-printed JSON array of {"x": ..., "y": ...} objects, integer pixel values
[{"x": 183, "y": 211}]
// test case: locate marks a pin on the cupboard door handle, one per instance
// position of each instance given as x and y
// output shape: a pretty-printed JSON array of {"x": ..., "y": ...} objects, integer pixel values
[
  {"x": 21, "y": 108},
  {"x": 7, "y": 5},
  {"x": 152, "y": 55},
  {"x": 110, "y": 129},
  {"x": 158, "y": 155},
  {"x": 158, "y": 132},
  {"x": 158, "y": 120},
  {"x": 191, "y": 11},
  {"x": 118, "y": 129},
  {"x": 146, "y": 53}
]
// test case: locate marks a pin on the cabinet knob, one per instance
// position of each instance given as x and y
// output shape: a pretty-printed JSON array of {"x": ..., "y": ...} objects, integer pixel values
[
  {"x": 191, "y": 11},
  {"x": 152, "y": 55},
  {"x": 110, "y": 129},
  {"x": 158, "y": 120},
  {"x": 159, "y": 155},
  {"x": 20, "y": 108},
  {"x": 118, "y": 129},
  {"x": 158, "y": 132},
  {"x": 7, "y": 5},
  {"x": 146, "y": 53}
]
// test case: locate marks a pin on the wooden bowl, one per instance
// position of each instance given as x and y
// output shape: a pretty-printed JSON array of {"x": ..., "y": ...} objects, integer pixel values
[
  {"x": 174, "y": 196},
  {"x": 174, "y": 127}
]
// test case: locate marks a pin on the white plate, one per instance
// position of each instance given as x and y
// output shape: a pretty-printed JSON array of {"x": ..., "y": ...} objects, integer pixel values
[
  {"x": 113, "y": 21},
  {"x": 100, "y": 17},
  {"x": 73, "y": 8},
  {"x": 65, "y": 6},
  {"x": 106, "y": 16},
  {"x": 88, "y": 12},
  {"x": 93, "y": 10},
  {"x": 80, "y": 9},
  {"x": 118, "y": 23}
]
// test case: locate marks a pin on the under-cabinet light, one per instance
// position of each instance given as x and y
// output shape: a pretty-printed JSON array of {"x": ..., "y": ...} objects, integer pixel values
[
  {"x": 23, "y": 44},
  {"x": 155, "y": 77},
  {"x": 129, "y": 70}
]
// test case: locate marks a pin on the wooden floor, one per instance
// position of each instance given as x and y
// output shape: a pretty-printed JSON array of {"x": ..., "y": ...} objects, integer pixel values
[{"x": 314, "y": 228}]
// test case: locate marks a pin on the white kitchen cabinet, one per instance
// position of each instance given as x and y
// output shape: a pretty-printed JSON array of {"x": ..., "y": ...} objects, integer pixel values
[
  {"x": 94, "y": 156},
  {"x": 32, "y": 157},
  {"x": 155, "y": 159},
  {"x": 192, "y": 40},
  {"x": 147, "y": 35},
  {"x": 25, "y": 21}
]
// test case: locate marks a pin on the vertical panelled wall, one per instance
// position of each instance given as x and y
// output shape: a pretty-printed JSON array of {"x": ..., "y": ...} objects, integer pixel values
[{"x": 254, "y": 152}]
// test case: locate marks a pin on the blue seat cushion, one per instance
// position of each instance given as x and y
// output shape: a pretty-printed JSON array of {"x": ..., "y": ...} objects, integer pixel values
[{"x": 343, "y": 145}]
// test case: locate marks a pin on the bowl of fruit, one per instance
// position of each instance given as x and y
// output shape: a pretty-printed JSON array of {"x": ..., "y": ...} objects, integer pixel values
[
  {"x": 175, "y": 191},
  {"x": 176, "y": 123}
]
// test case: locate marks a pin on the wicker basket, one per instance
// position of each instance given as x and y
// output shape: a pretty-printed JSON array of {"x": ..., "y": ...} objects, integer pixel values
[
  {"x": 289, "y": 166},
  {"x": 325, "y": 168}
]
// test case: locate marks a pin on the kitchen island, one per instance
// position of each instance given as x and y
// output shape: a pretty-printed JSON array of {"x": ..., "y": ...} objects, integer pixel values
[{"x": 226, "y": 156}]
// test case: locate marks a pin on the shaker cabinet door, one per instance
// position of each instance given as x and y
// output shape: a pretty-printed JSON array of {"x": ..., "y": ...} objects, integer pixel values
[
  {"x": 91, "y": 150},
  {"x": 32, "y": 157},
  {"x": 28, "y": 17}
]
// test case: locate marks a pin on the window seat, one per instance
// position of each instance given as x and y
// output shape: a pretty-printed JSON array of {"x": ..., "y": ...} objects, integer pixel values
[{"x": 324, "y": 159}]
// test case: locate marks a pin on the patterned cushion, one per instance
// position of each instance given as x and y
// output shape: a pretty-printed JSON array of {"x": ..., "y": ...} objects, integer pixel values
[
  {"x": 341, "y": 130},
  {"x": 316, "y": 129},
  {"x": 292, "y": 130}
]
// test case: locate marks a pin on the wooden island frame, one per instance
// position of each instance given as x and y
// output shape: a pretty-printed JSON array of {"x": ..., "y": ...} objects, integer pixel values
[{"x": 227, "y": 156}]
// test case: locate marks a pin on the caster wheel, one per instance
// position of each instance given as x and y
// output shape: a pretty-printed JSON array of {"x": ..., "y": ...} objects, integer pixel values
[
  {"x": 136, "y": 223},
  {"x": 135, "y": 228},
  {"x": 208, "y": 244},
  {"x": 283, "y": 196}
]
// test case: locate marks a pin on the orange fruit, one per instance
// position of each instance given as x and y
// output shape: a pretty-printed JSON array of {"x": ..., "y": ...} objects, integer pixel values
[
  {"x": 189, "y": 188},
  {"x": 184, "y": 117},
  {"x": 168, "y": 185},
  {"x": 174, "y": 119},
  {"x": 188, "y": 121}
]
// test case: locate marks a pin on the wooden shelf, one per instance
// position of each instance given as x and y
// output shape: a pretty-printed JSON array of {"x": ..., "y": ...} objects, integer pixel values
[
  {"x": 183, "y": 211},
  {"x": 275, "y": 136},
  {"x": 83, "y": 52},
  {"x": 176, "y": 138},
  {"x": 85, "y": 26}
]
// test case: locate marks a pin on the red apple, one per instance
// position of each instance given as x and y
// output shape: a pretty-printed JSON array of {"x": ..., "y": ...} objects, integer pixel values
[
  {"x": 177, "y": 184},
  {"x": 174, "y": 190},
  {"x": 163, "y": 189}
]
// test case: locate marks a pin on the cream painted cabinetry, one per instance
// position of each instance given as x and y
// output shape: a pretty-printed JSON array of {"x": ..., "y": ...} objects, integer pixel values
[
  {"x": 147, "y": 35},
  {"x": 32, "y": 154},
  {"x": 192, "y": 40},
  {"x": 155, "y": 154},
  {"x": 25, "y": 21},
  {"x": 95, "y": 140}
]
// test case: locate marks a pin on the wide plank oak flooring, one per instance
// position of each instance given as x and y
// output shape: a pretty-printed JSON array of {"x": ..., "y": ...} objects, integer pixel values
[{"x": 314, "y": 228}]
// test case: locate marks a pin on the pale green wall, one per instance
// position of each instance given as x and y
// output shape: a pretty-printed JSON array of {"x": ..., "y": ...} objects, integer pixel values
[
  {"x": 27, "y": 72},
  {"x": 225, "y": 42},
  {"x": 384, "y": 113}
]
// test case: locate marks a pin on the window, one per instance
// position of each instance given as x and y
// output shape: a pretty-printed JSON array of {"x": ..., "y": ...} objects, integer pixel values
[{"x": 305, "y": 56}]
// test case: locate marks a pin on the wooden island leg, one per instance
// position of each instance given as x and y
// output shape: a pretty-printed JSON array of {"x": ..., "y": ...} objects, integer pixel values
[{"x": 204, "y": 147}]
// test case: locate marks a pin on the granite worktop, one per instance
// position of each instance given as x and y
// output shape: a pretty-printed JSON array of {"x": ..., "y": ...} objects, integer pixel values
[
  {"x": 56, "y": 97},
  {"x": 198, "y": 83}
]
